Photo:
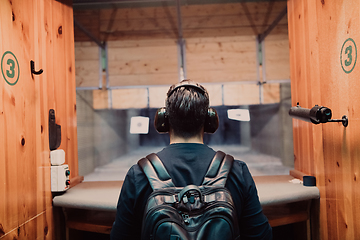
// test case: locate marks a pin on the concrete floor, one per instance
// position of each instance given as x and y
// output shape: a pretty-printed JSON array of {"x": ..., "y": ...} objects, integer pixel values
[{"x": 259, "y": 164}]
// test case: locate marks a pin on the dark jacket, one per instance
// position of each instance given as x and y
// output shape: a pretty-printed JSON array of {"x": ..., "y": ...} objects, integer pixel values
[{"x": 187, "y": 164}]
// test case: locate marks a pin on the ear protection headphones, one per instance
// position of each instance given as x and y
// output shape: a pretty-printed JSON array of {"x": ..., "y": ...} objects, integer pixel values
[{"x": 162, "y": 122}]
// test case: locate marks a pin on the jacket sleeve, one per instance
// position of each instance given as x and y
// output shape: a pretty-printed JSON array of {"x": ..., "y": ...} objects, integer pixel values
[
  {"x": 253, "y": 224},
  {"x": 125, "y": 226}
]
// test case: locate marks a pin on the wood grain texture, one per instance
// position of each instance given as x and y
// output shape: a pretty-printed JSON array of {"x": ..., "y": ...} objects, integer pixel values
[
  {"x": 317, "y": 32},
  {"x": 27, "y": 30},
  {"x": 129, "y": 98},
  {"x": 143, "y": 63},
  {"x": 87, "y": 63},
  {"x": 277, "y": 57},
  {"x": 221, "y": 59}
]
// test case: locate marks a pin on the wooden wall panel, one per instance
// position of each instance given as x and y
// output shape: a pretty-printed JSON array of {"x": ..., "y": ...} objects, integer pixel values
[
  {"x": 276, "y": 52},
  {"x": 157, "y": 96},
  {"x": 271, "y": 93},
  {"x": 221, "y": 59},
  {"x": 241, "y": 94},
  {"x": 29, "y": 30},
  {"x": 129, "y": 98},
  {"x": 317, "y": 33},
  {"x": 87, "y": 64},
  {"x": 100, "y": 99},
  {"x": 143, "y": 63},
  {"x": 215, "y": 94}
]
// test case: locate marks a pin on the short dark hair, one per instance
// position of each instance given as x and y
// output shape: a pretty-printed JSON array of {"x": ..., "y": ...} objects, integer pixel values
[{"x": 187, "y": 108}]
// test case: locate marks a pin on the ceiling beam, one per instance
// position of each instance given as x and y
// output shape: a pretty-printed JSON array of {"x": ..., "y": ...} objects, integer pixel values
[
  {"x": 261, "y": 37},
  {"x": 89, "y": 34}
]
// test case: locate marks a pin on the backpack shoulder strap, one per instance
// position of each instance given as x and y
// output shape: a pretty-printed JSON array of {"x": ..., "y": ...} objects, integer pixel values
[
  {"x": 219, "y": 169},
  {"x": 155, "y": 171}
]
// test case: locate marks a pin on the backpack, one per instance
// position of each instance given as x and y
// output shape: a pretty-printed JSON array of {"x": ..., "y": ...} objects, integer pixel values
[{"x": 191, "y": 212}]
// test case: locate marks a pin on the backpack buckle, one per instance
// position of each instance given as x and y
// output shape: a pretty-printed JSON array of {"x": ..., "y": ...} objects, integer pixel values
[{"x": 186, "y": 218}]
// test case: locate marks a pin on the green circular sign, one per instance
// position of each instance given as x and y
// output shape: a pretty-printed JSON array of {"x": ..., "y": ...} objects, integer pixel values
[
  {"x": 348, "y": 55},
  {"x": 10, "y": 68}
]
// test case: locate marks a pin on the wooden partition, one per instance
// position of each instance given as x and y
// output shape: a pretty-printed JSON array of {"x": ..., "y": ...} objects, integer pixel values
[
  {"x": 41, "y": 31},
  {"x": 324, "y": 40}
]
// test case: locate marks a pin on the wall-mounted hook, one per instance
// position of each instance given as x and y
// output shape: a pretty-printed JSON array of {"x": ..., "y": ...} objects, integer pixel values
[{"x": 32, "y": 67}]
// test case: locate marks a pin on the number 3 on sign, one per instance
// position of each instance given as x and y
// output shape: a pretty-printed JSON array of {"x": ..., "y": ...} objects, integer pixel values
[
  {"x": 11, "y": 73},
  {"x": 348, "y": 55},
  {"x": 10, "y": 69}
]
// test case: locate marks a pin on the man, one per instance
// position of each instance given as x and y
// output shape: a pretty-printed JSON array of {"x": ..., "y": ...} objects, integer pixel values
[{"x": 187, "y": 159}]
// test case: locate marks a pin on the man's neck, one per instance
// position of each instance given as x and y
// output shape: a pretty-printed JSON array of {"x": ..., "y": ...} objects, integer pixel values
[{"x": 195, "y": 139}]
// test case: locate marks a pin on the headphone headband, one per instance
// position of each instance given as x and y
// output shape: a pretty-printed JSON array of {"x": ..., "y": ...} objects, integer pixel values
[{"x": 187, "y": 84}]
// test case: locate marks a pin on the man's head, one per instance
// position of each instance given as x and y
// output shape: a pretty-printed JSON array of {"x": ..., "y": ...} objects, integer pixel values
[{"x": 187, "y": 108}]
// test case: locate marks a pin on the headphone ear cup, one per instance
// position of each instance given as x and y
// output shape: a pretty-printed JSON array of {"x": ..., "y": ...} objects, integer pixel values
[
  {"x": 211, "y": 121},
  {"x": 161, "y": 121}
]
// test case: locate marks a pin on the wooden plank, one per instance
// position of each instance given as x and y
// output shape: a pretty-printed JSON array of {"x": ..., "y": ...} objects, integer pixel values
[
  {"x": 222, "y": 60},
  {"x": 277, "y": 57},
  {"x": 129, "y": 98},
  {"x": 241, "y": 94},
  {"x": 142, "y": 64},
  {"x": 142, "y": 60},
  {"x": 143, "y": 79},
  {"x": 215, "y": 94},
  {"x": 86, "y": 52},
  {"x": 157, "y": 96},
  {"x": 100, "y": 99},
  {"x": 91, "y": 221},
  {"x": 189, "y": 33},
  {"x": 141, "y": 43},
  {"x": 271, "y": 93},
  {"x": 287, "y": 213},
  {"x": 87, "y": 73},
  {"x": 87, "y": 65}
]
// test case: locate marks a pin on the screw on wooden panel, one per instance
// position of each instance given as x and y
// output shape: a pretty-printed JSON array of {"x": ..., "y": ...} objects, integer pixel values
[{"x": 32, "y": 67}]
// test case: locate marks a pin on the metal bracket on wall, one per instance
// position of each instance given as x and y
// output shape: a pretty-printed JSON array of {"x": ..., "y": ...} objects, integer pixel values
[
  {"x": 181, "y": 45},
  {"x": 261, "y": 37},
  {"x": 89, "y": 34}
]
